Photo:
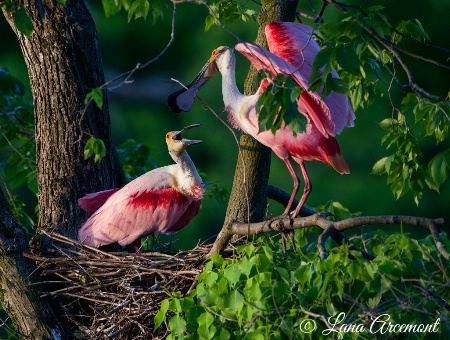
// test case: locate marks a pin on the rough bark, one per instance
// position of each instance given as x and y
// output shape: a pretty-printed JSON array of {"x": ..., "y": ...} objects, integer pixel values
[
  {"x": 248, "y": 196},
  {"x": 64, "y": 64},
  {"x": 32, "y": 317}
]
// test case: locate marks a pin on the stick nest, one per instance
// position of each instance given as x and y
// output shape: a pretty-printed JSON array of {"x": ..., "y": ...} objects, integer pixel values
[{"x": 116, "y": 295}]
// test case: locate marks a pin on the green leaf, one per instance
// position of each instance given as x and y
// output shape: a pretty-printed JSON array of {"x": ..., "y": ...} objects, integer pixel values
[
  {"x": 15, "y": 177},
  {"x": 192, "y": 315},
  {"x": 347, "y": 59},
  {"x": 96, "y": 95},
  {"x": 161, "y": 315},
  {"x": 94, "y": 147},
  {"x": 354, "y": 270},
  {"x": 303, "y": 274},
  {"x": 278, "y": 104},
  {"x": 232, "y": 274},
  {"x": 245, "y": 266},
  {"x": 139, "y": 8},
  {"x": 177, "y": 325},
  {"x": 234, "y": 301},
  {"x": 413, "y": 29},
  {"x": 323, "y": 58},
  {"x": 439, "y": 167},
  {"x": 23, "y": 21},
  {"x": 111, "y": 7},
  {"x": 206, "y": 328},
  {"x": 252, "y": 290},
  {"x": 89, "y": 148},
  {"x": 211, "y": 278},
  {"x": 283, "y": 274},
  {"x": 337, "y": 85},
  {"x": 375, "y": 8},
  {"x": 379, "y": 167},
  {"x": 99, "y": 150},
  {"x": 175, "y": 306},
  {"x": 210, "y": 21}
]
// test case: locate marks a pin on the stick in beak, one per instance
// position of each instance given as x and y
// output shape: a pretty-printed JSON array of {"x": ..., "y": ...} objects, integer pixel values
[{"x": 183, "y": 99}]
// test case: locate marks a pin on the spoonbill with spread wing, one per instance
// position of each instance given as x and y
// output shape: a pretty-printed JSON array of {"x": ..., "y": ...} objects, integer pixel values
[
  {"x": 292, "y": 52},
  {"x": 163, "y": 200}
]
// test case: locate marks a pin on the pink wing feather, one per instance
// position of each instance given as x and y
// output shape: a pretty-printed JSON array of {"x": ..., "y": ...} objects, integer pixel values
[
  {"x": 190, "y": 213},
  {"x": 293, "y": 42},
  {"x": 92, "y": 202},
  {"x": 331, "y": 114},
  {"x": 147, "y": 205}
]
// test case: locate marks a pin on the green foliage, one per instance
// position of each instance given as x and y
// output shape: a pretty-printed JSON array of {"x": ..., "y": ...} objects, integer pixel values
[
  {"x": 214, "y": 190},
  {"x": 432, "y": 117},
  {"x": 135, "y": 159},
  {"x": 20, "y": 17},
  {"x": 412, "y": 29},
  {"x": 278, "y": 105},
  {"x": 403, "y": 168},
  {"x": 438, "y": 169},
  {"x": 406, "y": 168},
  {"x": 17, "y": 140},
  {"x": 354, "y": 54},
  {"x": 135, "y": 8},
  {"x": 95, "y": 147},
  {"x": 23, "y": 21},
  {"x": 362, "y": 62},
  {"x": 261, "y": 293},
  {"x": 228, "y": 12},
  {"x": 96, "y": 95},
  {"x": 338, "y": 211}
]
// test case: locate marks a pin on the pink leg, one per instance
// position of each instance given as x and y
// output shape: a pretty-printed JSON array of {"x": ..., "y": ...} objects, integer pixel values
[
  {"x": 307, "y": 189},
  {"x": 296, "y": 182},
  {"x": 289, "y": 205}
]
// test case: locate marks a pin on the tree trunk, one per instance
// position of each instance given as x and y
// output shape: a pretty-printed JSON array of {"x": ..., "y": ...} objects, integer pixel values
[
  {"x": 248, "y": 196},
  {"x": 64, "y": 64},
  {"x": 32, "y": 317}
]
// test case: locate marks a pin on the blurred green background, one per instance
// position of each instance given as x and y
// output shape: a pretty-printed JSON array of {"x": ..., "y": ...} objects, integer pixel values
[{"x": 138, "y": 110}]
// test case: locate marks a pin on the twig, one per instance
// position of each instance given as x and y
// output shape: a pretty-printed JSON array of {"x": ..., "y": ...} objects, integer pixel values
[{"x": 393, "y": 48}]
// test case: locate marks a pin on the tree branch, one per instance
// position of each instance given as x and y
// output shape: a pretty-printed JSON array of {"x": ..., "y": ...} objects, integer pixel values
[
  {"x": 394, "y": 48},
  {"x": 331, "y": 229}
]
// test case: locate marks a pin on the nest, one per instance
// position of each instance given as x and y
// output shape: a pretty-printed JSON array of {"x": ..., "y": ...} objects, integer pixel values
[{"x": 116, "y": 295}]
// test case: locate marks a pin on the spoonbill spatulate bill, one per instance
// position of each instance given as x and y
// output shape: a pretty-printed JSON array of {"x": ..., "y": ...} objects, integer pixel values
[
  {"x": 292, "y": 52},
  {"x": 163, "y": 200}
]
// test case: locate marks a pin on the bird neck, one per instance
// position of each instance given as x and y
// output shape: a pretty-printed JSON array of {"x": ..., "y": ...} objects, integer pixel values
[
  {"x": 239, "y": 106},
  {"x": 185, "y": 163},
  {"x": 188, "y": 181},
  {"x": 227, "y": 68}
]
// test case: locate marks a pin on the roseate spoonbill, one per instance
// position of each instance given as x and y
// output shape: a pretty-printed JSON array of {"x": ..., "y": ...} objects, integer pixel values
[
  {"x": 292, "y": 52},
  {"x": 163, "y": 200}
]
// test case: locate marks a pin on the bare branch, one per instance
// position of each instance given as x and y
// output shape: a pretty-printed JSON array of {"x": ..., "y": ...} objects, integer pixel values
[{"x": 333, "y": 229}]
